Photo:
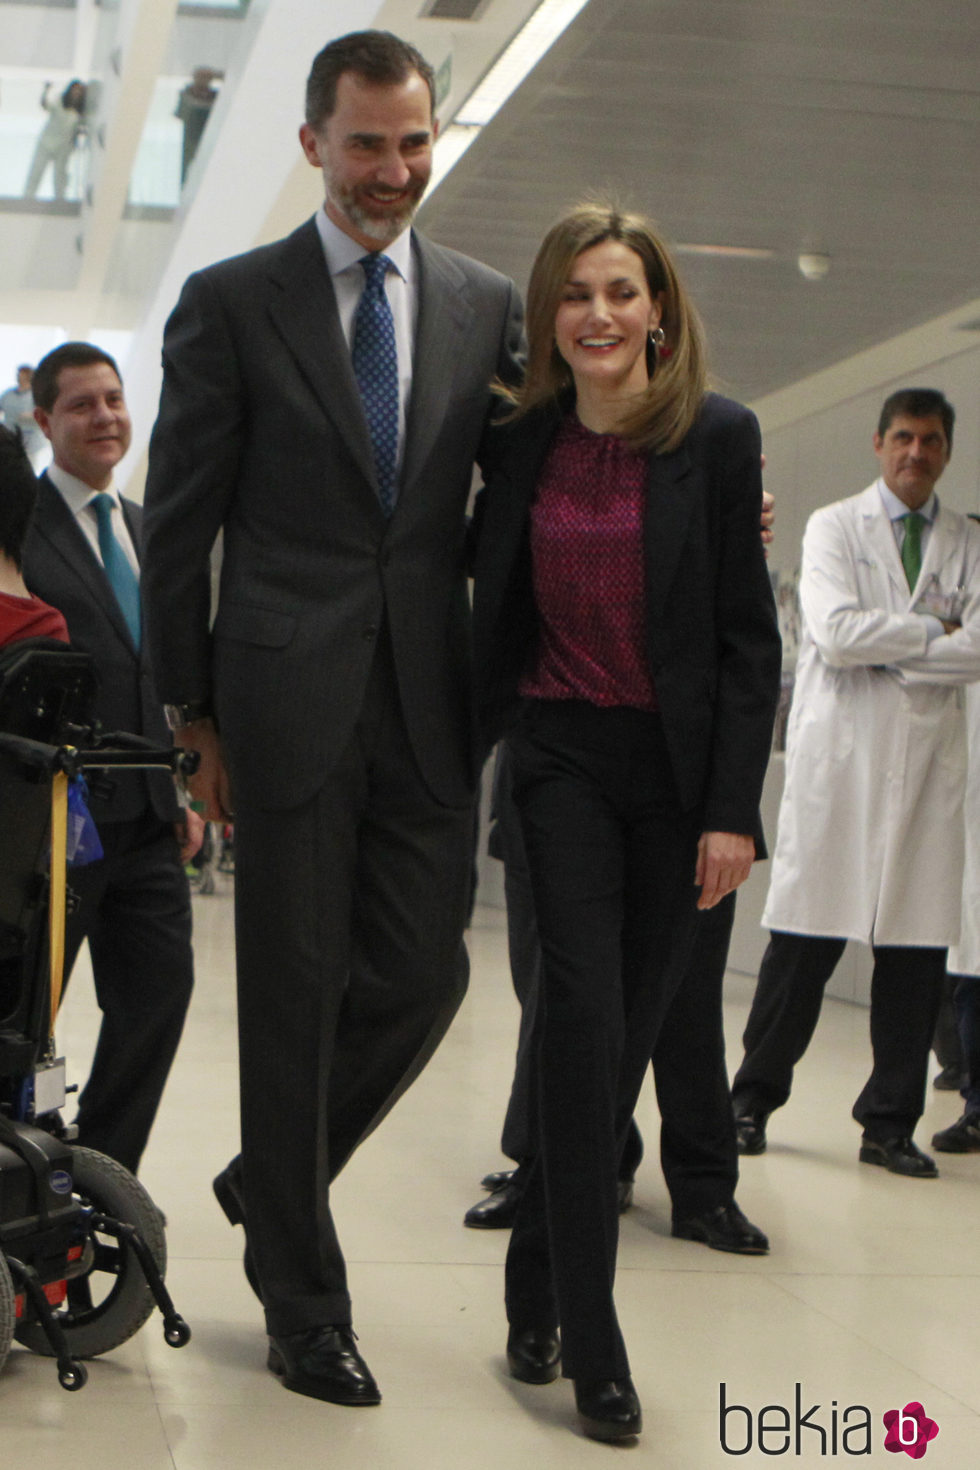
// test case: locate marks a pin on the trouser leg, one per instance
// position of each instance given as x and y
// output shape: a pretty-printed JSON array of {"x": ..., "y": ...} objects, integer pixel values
[
  {"x": 350, "y": 911},
  {"x": 608, "y": 890},
  {"x": 946, "y": 1037},
  {"x": 134, "y": 909},
  {"x": 518, "y": 1139},
  {"x": 697, "y": 1134},
  {"x": 906, "y": 987},
  {"x": 785, "y": 1010},
  {"x": 35, "y": 173},
  {"x": 967, "y": 1001}
]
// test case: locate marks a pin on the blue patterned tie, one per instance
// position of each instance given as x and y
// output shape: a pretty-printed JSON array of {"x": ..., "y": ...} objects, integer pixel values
[
  {"x": 122, "y": 578},
  {"x": 375, "y": 360}
]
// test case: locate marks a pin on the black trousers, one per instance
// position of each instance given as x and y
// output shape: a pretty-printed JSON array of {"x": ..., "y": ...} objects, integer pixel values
[
  {"x": 349, "y": 913},
  {"x": 966, "y": 997},
  {"x": 135, "y": 910},
  {"x": 698, "y": 1149},
  {"x": 906, "y": 986},
  {"x": 611, "y": 857}
]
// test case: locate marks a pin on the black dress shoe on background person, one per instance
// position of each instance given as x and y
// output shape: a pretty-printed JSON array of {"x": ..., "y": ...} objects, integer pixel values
[
  {"x": 534, "y": 1355},
  {"x": 499, "y": 1209},
  {"x": 323, "y": 1363},
  {"x": 724, "y": 1228},
  {"x": 750, "y": 1132},
  {"x": 227, "y": 1191},
  {"x": 496, "y": 1179},
  {"x": 899, "y": 1156},
  {"x": 624, "y": 1194},
  {"x": 961, "y": 1137},
  {"x": 950, "y": 1079},
  {"x": 608, "y": 1409}
]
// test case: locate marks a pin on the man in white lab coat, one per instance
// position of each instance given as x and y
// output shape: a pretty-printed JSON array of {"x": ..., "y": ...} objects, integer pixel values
[{"x": 870, "y": 838}]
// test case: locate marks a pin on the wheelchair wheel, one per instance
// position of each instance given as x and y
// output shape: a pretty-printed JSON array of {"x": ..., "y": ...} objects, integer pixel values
[
  {"x": 8, "y": 1310},
  {"x": 110, "y": 1300}
]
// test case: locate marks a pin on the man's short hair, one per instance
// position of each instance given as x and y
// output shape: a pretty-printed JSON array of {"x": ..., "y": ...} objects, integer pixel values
[
  {"x": 376, "y": 57},
  {"x": 917, "y": 403},
  {"x": 18, "y": 492},
  {"x": 68, "y": 355}
]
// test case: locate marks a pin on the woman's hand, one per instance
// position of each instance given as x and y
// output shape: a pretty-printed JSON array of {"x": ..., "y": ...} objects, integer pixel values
[{"x": 724, "y": 862}]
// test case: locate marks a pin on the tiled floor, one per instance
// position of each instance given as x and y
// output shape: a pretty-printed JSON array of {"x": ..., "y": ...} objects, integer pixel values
[{"x": 869, "y": 1300}]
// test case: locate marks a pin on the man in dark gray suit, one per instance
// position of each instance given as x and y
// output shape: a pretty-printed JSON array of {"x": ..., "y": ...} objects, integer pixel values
[
  {"x": 133, "y": 903},
  {"x": 324, "y": 400}
]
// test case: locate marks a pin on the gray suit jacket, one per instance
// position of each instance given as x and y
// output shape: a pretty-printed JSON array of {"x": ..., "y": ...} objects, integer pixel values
[{"x": 261, "y": 433}]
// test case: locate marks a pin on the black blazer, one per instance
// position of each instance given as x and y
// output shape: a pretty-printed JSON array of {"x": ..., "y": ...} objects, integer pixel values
[
  {"x": 711, "y": 636},
  {"x": 262, "y": 433},
  {"x": 60, "y": 568}
]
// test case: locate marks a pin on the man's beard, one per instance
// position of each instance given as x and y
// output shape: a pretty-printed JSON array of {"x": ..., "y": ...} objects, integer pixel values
[{"x": 383, "y": 228}]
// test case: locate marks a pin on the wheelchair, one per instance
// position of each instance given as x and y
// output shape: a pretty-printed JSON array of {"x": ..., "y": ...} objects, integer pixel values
[{"x": 82, "y": 1245}]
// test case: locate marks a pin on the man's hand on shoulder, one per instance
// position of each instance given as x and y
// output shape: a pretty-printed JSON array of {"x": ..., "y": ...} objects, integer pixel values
[{"x": 209, "y": 785}]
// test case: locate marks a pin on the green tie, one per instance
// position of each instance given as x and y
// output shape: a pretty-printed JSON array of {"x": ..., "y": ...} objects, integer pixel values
[{"x": 912, "y": 547}]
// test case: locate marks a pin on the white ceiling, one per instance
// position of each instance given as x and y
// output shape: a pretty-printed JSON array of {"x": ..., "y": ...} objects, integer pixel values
[{"x": 850, "y": 127}]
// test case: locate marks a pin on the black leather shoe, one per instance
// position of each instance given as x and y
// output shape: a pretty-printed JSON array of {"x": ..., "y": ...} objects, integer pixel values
[
  {"x": 609, "y": 1409},
  {"x": 534, "y": 1355},
  {"x": 498, "y": 1210},
  {"x": 624, "y": 1194},
  {"x": 750, "y": 1132},
  {"x": 724, "y": 1228},
  {"x": 497, "y": 1178},
  {"x": 961, "y": 1137},
  {"x": 898, "y": 1156},
  {"x": 950, "y": 1079},
  {"x": 227, "y": 1191},
  {"x": 323, "y": 1363}
]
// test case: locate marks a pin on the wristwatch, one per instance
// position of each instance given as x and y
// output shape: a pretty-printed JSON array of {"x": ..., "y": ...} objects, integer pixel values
[{"x": 179, "y": 715}]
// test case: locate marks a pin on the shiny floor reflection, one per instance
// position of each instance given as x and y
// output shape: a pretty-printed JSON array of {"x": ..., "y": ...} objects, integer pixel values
[{"x": 869, "y": 1300}]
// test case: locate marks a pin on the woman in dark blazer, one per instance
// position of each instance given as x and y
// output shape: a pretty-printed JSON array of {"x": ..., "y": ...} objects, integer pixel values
[{"x": 626, "y": 642}]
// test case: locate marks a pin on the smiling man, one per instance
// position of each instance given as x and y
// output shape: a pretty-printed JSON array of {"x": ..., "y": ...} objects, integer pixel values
[
  {"x": 324, "y": 399},
  {"x": 82, "y": 556},
  {"x": 870, "y": 839}
]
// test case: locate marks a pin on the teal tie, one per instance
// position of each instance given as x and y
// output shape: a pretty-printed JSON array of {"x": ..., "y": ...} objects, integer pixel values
[
  {"x": 122, "y": 578},
  {"x": 912, "y": 546}
]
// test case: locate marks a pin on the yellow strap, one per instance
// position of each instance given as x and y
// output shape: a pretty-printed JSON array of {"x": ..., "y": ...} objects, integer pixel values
[{"x": 57, "y": 887}]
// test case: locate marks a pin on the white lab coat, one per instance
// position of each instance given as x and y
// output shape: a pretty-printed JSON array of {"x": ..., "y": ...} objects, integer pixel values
[
  {"x": 870, "y": 838},
  {"x": 964, "y": 958}
]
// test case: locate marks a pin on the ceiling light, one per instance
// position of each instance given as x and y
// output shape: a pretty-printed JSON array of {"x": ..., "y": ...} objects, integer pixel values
[
  {"x": 731, "y": 252},
  {"x": 813, "y": 264}
]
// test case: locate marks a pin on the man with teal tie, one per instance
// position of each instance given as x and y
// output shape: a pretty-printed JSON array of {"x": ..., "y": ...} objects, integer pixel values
[
  {"x": 870, "y": 838},
  {"x": 82, "y": 556}
]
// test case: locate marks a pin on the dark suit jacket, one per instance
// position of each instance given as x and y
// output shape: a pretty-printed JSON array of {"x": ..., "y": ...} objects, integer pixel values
[
  {"x": 261, "y": 431},
  {"x": 60, "y": 567},
  {"x": 711, "y": 635}
]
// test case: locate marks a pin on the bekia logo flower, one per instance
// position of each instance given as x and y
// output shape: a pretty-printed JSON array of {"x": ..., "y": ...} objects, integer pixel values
[{"x": 909, "y": 1429}]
